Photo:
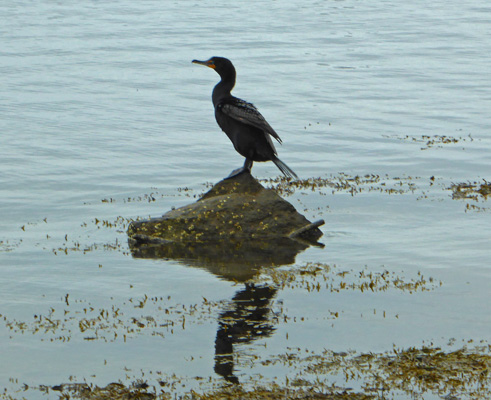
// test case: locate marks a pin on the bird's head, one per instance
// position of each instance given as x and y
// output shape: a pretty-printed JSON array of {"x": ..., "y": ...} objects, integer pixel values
[{"x": 223, "y": 66}]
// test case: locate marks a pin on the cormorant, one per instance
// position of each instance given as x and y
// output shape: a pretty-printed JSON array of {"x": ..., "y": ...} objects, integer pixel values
[{"x": 249, "y": 132}]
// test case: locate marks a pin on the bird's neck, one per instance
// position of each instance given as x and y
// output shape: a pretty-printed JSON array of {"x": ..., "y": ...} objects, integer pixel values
[{"x": 223, "y": 88}]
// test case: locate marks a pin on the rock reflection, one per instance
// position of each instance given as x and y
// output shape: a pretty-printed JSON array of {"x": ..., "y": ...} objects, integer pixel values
[{"x": 232, "y": 260}]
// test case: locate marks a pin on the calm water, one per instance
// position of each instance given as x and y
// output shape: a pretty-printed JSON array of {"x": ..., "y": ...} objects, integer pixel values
[{"x": 100, "y": 107}]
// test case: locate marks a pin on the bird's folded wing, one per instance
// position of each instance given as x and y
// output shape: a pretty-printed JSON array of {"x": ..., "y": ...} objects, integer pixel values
[{"x": 247, "y": 113}]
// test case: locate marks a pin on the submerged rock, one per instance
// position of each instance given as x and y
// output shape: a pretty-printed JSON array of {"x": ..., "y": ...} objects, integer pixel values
[{"x": 234, "y": 209}]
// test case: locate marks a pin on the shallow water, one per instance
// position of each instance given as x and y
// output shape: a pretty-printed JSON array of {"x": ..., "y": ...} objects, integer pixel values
[{"x": 101, "y": 108}]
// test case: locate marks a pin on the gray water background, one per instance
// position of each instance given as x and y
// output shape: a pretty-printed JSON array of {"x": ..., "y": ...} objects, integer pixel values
[{"x": 100, "y": 101}]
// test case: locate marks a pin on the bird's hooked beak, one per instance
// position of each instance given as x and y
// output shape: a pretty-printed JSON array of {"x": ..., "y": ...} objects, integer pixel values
[{"x": 209, "y": 63}]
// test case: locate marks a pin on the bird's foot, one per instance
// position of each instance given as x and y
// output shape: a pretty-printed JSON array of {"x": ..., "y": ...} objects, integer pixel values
[{"x": 238, "y": 171}]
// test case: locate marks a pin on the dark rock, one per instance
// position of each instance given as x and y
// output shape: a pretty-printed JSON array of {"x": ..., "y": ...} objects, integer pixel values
[
  {"x": 234, "y": 209},
  {"x": 235, "y": 228}
]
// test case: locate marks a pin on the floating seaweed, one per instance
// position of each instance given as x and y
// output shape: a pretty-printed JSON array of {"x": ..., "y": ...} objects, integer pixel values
[{"x": 471, "y": 190}]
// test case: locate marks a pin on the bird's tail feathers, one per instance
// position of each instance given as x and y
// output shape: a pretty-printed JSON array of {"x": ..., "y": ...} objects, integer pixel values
[{"x": 287, "y": 171}]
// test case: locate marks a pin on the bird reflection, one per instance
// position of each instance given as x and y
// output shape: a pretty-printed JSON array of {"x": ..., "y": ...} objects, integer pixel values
[
  {"x": 247, "y": 319},
  {"x": 248, "y": 316}
]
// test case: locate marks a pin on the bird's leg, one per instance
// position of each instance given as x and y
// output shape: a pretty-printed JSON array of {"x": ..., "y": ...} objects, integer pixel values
[
  {"x": 245, "y": 168},
  {"x": 248, "y": 164}
]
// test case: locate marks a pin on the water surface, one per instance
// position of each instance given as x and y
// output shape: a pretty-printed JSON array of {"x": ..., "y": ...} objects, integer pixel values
[{"x": 103, "y": 118}]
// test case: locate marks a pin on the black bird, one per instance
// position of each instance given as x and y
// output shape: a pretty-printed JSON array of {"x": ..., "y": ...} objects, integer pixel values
[{"x": 244, "y": 125}]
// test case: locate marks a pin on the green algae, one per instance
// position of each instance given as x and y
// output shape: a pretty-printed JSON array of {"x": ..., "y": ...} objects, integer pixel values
[
  {"x": 345, "y": 183},
  {"x": 462, "y": 373},
  {"x": 434, "y": 141},
  {"x": 160, "y": 316},
  {"x": 315, "y": 277},
  {"x": 474, "y": 192},
  {"x": 471, "y": 190}
]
